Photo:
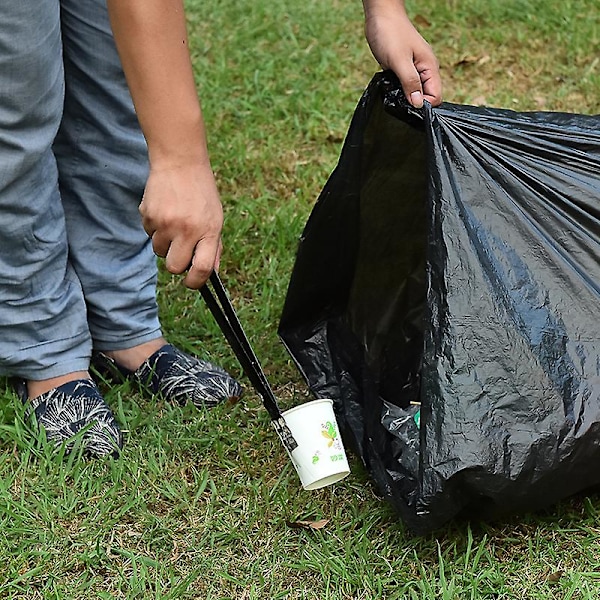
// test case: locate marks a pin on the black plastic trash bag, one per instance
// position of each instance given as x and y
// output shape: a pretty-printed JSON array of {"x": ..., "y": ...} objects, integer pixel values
[{"x": 452, "y": 263}]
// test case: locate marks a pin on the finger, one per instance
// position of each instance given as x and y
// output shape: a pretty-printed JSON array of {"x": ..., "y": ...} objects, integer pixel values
[
  {"x": 218, "y": 258},
  {"x": 432, "y": 87},
  {"x": 411, "y": 83},
  {"x": 149, "y": 228},
  {"x": 203, "y": 263},
  {"x": 160, "y": 244},
  {"x": 179, "y": 257}
]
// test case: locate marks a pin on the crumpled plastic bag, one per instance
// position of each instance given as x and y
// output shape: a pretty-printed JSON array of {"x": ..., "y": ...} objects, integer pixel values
[{"x": 452, "y": 263}]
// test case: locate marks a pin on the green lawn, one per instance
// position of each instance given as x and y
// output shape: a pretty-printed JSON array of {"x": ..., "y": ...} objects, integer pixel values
[{"x": 200, "y": 503}]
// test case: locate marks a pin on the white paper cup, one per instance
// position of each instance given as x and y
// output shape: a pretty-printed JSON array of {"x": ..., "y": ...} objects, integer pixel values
[{"x": 320, "y": 458}]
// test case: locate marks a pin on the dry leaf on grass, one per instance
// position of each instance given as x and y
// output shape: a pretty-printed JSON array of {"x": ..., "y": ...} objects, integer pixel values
[
  {"x": 472, "y": 60},
  {"x": 555, "y": 577},
  {"x": 308, "y": 524}
]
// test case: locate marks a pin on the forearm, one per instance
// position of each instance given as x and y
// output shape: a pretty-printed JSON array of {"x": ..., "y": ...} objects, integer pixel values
[
  {"x": 180, "y": 209},
  {"x": 152, "y": 41},
  {"x": 374, "y": 6}
]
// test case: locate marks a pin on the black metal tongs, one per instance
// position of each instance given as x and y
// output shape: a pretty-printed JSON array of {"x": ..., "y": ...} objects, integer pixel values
[{"x": 224, "y": 314}]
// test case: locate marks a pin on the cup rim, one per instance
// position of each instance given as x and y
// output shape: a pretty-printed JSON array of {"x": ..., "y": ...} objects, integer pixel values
[{"x": 305, "y": 404}]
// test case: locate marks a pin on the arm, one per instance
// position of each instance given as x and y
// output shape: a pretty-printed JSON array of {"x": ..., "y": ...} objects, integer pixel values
[
  {"x": 397, "y": 45},
  {"x": 181, "y": 209}
]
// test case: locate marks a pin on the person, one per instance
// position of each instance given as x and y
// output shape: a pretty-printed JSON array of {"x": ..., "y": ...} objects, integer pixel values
[{"x": 103, "y": 165}]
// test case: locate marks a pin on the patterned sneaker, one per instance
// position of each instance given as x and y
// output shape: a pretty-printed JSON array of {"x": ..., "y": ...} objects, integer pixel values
[
  {"x": 178, "y": 377},
  {"x": 66, "y": 410}
]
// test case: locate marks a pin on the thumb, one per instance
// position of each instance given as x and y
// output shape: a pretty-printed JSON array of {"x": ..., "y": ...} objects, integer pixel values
[
  {"x": 411, "y": 84},
  {"x": 415, "y": 98}
]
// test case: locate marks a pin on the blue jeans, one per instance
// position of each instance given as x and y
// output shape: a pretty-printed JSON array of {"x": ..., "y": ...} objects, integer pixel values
[{"x": 76, "y": 268}]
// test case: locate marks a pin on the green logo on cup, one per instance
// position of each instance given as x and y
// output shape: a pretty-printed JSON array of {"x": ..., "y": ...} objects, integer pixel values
[{"x": 329, "y": 432}]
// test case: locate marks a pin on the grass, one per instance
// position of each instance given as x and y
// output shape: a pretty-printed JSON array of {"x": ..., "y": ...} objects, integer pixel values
[{"x": 200, "y": 504}]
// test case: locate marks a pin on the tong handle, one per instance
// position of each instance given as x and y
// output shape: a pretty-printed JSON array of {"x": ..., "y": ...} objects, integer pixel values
[{"x": 225, "y": 316}]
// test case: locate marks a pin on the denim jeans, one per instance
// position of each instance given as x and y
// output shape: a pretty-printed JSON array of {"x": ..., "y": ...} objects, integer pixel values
[{"x": 77, "y": 270}]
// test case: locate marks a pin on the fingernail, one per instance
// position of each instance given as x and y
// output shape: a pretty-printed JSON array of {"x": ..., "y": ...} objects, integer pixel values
[{"x": 416, "y": 99}]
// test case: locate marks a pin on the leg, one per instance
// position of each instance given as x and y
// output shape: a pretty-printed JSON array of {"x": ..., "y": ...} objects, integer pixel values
[
  {"x": 43, "y": 328},
  {"x": 102, "y": 161},
  {"x": 44, "y": 337}
]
